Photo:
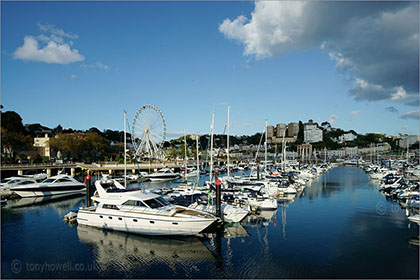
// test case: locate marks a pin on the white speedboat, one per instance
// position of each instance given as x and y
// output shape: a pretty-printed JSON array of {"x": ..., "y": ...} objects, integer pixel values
[
  {"x": 262, "y": 203},
  {"x": 8, "y": 183},
  {"x": 164, "y": 174},
  {"x": 189, "y": 173},
  {"x": 141, "y": 212},
  {"x": 230, "y": 213},
  {"x": 56, "y": 185}
]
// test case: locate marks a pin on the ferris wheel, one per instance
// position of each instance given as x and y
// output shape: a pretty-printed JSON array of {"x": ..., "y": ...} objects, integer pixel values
[{"x": 148, "y": 132}]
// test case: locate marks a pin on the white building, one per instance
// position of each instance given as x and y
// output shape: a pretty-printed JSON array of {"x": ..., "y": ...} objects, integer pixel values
[
  {"x": 347, "y": 137},
  {"x": 410, "y": 138},
  {"x": 43, "y": 145},
  {"x": 312, "y": 133}
]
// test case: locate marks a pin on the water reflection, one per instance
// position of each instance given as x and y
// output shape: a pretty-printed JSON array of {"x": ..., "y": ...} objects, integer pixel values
[
  {"x": 59, "y": 202},
  {"x": 342, "y": 179},
  {"x": 124, "y": 252},
  {"x": 260, "y": 219}
]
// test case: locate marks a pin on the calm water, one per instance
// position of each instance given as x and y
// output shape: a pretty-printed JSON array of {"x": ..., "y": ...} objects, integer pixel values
[{"x": 340, "y": 227}]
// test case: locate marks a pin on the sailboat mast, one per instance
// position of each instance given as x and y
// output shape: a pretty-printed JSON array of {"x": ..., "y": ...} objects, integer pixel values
[
  {"x": 185, "y": 152},
  {"x": 211, "y": 146},
  {"x": 228, "y": 136},
  {"x": 125, "y": 150},
  {"x": 265, "y": 147},
  {"x": 283, "y": 152},
  {"x": 198, "y": 160}
]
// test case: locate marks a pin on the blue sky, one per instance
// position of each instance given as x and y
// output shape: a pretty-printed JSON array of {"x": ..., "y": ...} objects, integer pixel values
[{"x": 190, "y": 59}]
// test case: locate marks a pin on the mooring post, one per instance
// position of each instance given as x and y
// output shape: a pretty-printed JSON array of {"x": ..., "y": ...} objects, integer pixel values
[
  {"x": 88, "y": 189},
  {"x": 218, "y": 196},
  {"x": 258, "y": 171}
]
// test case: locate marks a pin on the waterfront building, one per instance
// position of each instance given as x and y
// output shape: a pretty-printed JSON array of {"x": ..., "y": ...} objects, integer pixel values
[
  {"x": 312, "y": 133},
  {"x": 378, "y": 148},
  {"x": 43, "y": 145},
  {"x": 411, "y": 139},
  {"x": 347, "y": 137},
  {"x": 304, "y": 150},
  {"x": 286, "y": 140},
  {"x": 270, "y": 131},
  {"x": 292, "y": 129},
  {"x": 280, "y": 129}
]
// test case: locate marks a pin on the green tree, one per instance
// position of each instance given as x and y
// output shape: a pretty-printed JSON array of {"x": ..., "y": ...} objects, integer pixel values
[
  {"x": 12, "y": 122},
  {"x": 13, "y": 143}
]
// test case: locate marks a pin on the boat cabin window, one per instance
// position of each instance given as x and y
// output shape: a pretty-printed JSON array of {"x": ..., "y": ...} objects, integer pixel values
[
  {"x": 5, "y": 180},
  {"x": 25, "y": 183},
  {"x": 50, "y": 180},
  {"x": 14, "y": 181},
  {"x": 156, "y": 202},
  {"x": 134, "y": 203},
  {"x": 110, "y": 206},
  {"x": 163, "y": 201},
  {"x": 63, "y": 180}
]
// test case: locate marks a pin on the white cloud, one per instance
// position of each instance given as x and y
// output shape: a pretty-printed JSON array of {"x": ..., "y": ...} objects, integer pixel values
[
  {"x": 375, "y": 43},
  {"x": 102, "y": 66},
  {"x": 411, "y": 115},
  {"x": 96, "y": 65},
  {"x": 49, "y": 47},
  {"x": 73, "y": 77},
  {"x": 273, "y": 27},
  {"x": 332, "y": 119},
  {"x": 49, "y": 28},
  {"x": 399, "y": 95},
  {"x": 354, "y": 114},
  {"x": 53, "y": 52},
  {"x": 363, "y": 90}
]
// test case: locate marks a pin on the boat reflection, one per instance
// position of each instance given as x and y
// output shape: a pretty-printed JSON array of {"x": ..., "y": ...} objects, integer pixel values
[
  {"x": 64, "y": 202},
  {"x": 260, "y": 219},
  {"x": 234, "y": 230},
  {"x": 127, "y": 251},
  {"x": 287, "y": 197}
]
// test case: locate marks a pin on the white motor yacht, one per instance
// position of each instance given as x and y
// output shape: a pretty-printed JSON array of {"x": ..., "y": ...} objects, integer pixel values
[
  {"x": 141, "y": 212},
  {"x": 56, "y": 185},
  {"x": 190, "y": 172},
  {"x": 8, "y": 183},
  {"x": 164, "y": 174}
]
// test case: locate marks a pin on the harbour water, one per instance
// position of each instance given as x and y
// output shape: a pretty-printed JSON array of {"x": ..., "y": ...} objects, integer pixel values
[{"x": 339, "y": 227}]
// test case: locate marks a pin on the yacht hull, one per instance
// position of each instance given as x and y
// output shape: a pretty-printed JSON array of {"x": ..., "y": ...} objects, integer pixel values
[
  {"x": 143, "y": 223},
  {"x": 33, "y": 192},
  {"x": 162, "y": 178}
]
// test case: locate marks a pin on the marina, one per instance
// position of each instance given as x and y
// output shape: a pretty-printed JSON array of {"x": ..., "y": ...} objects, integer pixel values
[
  {"x": 340, "y": 221},
  {"x": 210, "y": 140}
]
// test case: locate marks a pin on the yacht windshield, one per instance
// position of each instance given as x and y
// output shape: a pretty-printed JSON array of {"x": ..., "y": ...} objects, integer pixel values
[
  {"x": 50, "y": 180},
  {"x": 156, "y": 202},
  {"x": 163, "y": 201}
]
